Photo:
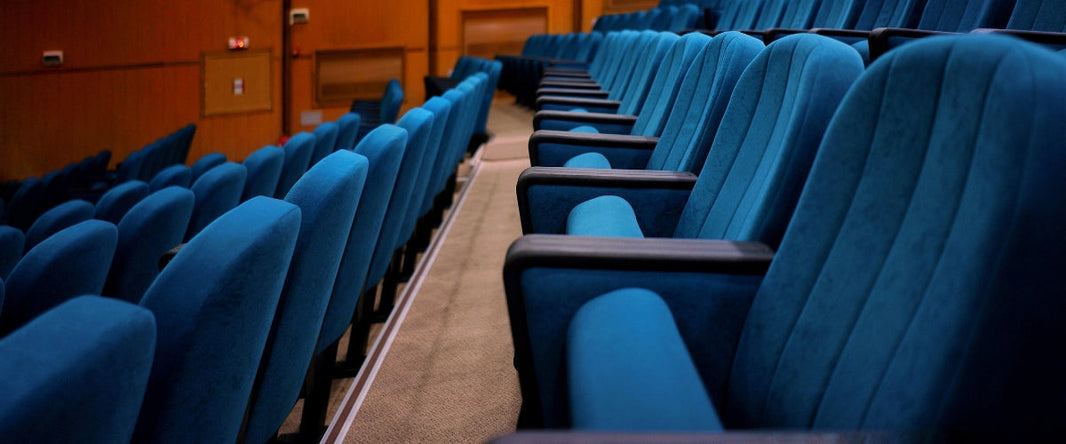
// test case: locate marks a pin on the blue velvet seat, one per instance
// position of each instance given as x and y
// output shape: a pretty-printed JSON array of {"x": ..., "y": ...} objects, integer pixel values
[
  {"x": 917, "y": 288},
  {"x": 418, "y": 123},
  {"x": 60, "y": 217},
  {"x": 693, "y": 119},
  {"x": 217, "y": 191},
  {"x": 298, "y": 150},
  {"x": 205, "y": 164},
  {"x": 214, "y": 304},
  {"x": 71, "y": 262},
  {"x": 325, "y": 141},
  {"x": 25, "y": 203},
  {"x": 386, "y": 111},
  {"x": 12, "y": 243},
  {"x": 152, "y": 227},
  {"x": 174, "y": 175},
  {"x": 119, "y": 199},
  {"x": 264, "y": 170},
  {"x": 77, "y": 373},
  {"x": 384, "y": 149},
  {"x": 347, "y": 131},
  {"x": 415, "y": 225},
  {"x": 758, "y": 163},
  {"x": 328, "y": 195},
  {"x": 650, "y": 116}
]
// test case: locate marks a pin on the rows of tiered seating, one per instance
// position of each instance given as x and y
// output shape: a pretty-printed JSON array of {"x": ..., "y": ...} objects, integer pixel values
[
  {"x": 860, "y": 248},
  {"x": 225, "y": 288},
  {"x": 668, "y": 16}
]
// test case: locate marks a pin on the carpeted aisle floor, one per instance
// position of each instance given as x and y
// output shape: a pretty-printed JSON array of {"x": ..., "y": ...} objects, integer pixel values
[{"x": 447, "y": 373}]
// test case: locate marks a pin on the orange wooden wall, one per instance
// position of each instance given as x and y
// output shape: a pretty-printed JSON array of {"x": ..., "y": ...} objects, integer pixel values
[{"x": 132, "y": 70}]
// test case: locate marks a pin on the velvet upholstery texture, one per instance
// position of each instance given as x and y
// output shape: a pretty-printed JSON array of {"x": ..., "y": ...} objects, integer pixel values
[
  {"x": 59, "y": 217},
  {"x": 418, "y": 123},
  {"x": 347, "y": 131},
  {"x": 1038, "y": 15},
  {"x": 77, "y": 373},
  {"x": 12, "y": 241},
  {"x": 298, "y": 151},
  {"x": 441, "y": 109},
  {"x": 217, "y": 191},
  {"x": 174, "y": 175},
  {"x": 264, "y": 171},
  {"x": 71, "y": 262},
  {"x": 328, "y": 195},
  {"x": 205, "y": 164},
  {"x": 151, "y": 228},
  {"x": 325, "y": 141},
  {"x": 21, "y": 210},
  {"x": 214, "y": 304},
  {"x": 119, "y": 199},
  {"x": 384, "y": 149},
  {"x": 918, "y": 287}
]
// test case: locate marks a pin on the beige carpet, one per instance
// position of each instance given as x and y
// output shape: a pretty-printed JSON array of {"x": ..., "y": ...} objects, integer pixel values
[{"x": 447, "y": 374}]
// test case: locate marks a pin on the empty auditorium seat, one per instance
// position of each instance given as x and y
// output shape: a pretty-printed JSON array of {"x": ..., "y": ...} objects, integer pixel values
[
  {"x": 325, "y": 141},
  {"x": 174, "y": 175},
  {"x": 328, "y": 195},
  {"x": 923, "y": 234},
  {"x": 217, "y": 191},
  {"x": 119, "y": 199},
  {"x": 205, "y": 164},
  {"x": 264, "y": 170},
  {"x": 12, "y": 244},
  {"x": 56, "y": 219},
  {"x": 72, "y": 262},
  {"x": 77, "y": 373},
  {"x": 298, "y": 151},
  {"x": 214, "y": 303},
  {"x": 152, "y": 227}
]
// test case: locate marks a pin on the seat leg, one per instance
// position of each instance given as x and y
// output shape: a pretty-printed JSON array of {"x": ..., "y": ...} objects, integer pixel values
[{"x": 318, "y": 383}]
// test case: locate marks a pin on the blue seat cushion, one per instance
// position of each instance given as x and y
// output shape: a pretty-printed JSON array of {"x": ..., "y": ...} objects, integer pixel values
[
  {"x": 589, "y": 160},
  {"x": 609, "y": 216},
  {"x": 629, "y": 369}
]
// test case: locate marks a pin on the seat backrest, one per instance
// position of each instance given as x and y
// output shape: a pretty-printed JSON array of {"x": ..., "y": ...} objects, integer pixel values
[
  {"x": 963, "y": 15},
  {"x": 769, "y": 136},
  {"x": 770, "y": 14},
  {"x": 174, "y": 175},
  {"x": 651, "y": 62},
  {"x": 214, "y": 303},
  {"x": 71, "y": 262},
  {"x": 119, "y": 199},
  {"x": 391, "y": 101},
  {"x": 153, "y": 226},
  {"x": 327, "y": 195},
  {"x": 264, "y": 170},
  {"x": 77, "y": 373},
  {"x": 298, "y": 151},
  {"x": 22, "y": 208},
  {"x": 799, "y": 14},
  {"x": 217, "y": 191},
  {"x": 347, "y": 131},
  {"x": 685, "y": 18},
  {"x": 205, "y": 163},
  {"x": 740, "y": 15},
  {"x": 418, "y": 123},
  {"x": 383, "y": 147},
  {"x": 888, "y": 13},
  {"x": 1038, "y": 15},
  {"x": 325, "y": 140},
  {"x": 441, "y": 109},
  {"x": 61, "y": 216},
  {"x": 631, "y": 61},
  {"x": 130, "y": 167},
  {"x": 919, "y": 284},
  {"x": 492, "y": 69},
  {"x": 12, "y": 243},
  {"x": 701, "y": 101},
  {"x": 663, "y": 90},
  {"x": 837, "y": 14}
]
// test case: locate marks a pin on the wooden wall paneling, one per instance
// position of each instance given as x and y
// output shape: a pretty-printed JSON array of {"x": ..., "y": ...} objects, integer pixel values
[
  {"x": 486, "y": 33},
  {"x": 131, "y": 75}
]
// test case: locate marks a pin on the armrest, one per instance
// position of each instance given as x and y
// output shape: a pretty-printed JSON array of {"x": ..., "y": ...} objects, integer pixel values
[
  {"x": 849, "y": 36},
  {"x": 1057, "y": 39},
  {"x": 554, "y": 148},
  {"x": 569, "y": 84},
  {"x": 562, "y": 103},
  {"x": 573, "y": 92},
  {"x": 548, "y": 278},
  {"x": 547, "y": 195},
  {"x": 563, "y": 121},
  {"x": 883, "y": 39}
]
